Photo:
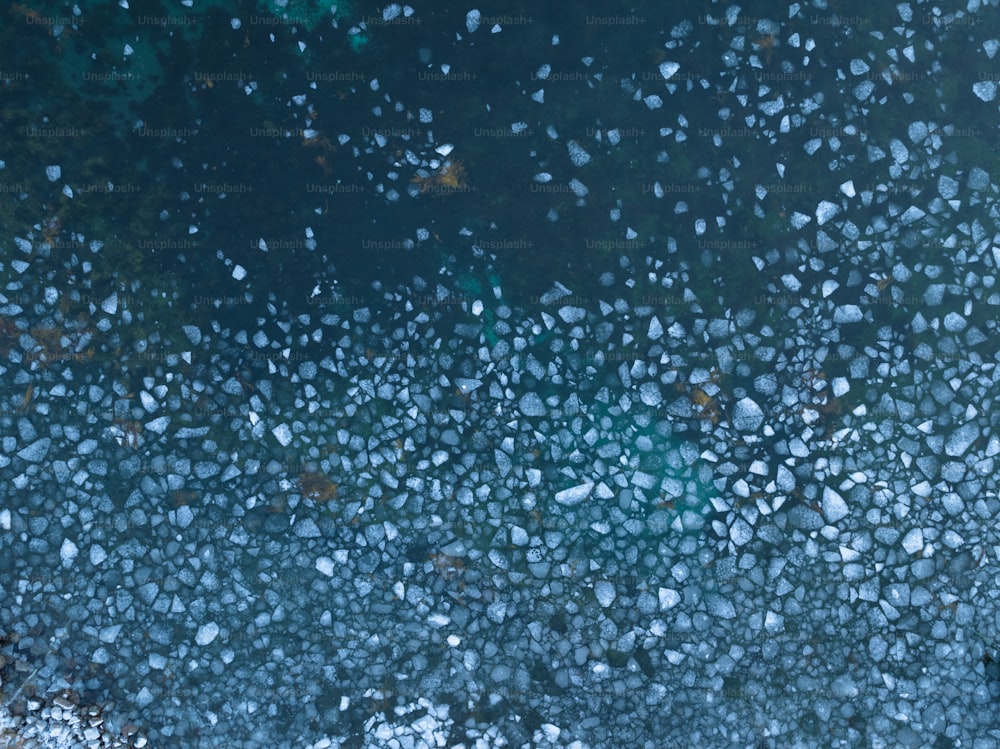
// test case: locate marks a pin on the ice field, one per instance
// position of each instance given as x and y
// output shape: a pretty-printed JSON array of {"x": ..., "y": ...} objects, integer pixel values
[{"x": 457, "y": 376}]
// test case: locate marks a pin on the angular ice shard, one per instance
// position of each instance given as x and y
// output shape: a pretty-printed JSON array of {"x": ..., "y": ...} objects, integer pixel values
[
  {"x": 472, "y": 20},
  {"x": 531, "y": 405},
  {"x": 834, "y": 506},
  {"x": 985, "y": 90},
  {"x": 574, "y": 495},
  {"x": 207, "y": 633},
  {"x": 961, "y": 440},
  {"x": 747, "y": 415},
  {"x": 668, "y": 69},
  {"x": 605, "y": 592},
  {"x": 825, "y": 211}
]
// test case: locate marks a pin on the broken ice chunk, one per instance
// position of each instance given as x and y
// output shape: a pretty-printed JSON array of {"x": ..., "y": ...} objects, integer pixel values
[
  {"x": 110, "y": 305},
  {"x": 668, "y": 598},
  {"x": 847, "y": 313},
  {"x": 577, "y": 154},
  {"x": 985, "y": 90},
  {"x": 531, "y": 405},
  {"x": 834, "y": 506},
  {"x": 961, "y": 440},
  {"x": 913, "y": 541},
  {"x": 605, "y": 593},
  {"x": 325, "y": 566},
  {"x": 36, "y": 451},
  {"x": 825, "y": 211},
  {"x": 207, "y": 633},
  {"x": 840, "y": 386},
  {"x": 747, "y": 415},
  {"x": 68, "y": 552},
  {"x": 740, "y": 533},
  {"x": 575, "y": 494},
  {"x": 668, "y": 68},
  {"x": 283, "y": 434}
]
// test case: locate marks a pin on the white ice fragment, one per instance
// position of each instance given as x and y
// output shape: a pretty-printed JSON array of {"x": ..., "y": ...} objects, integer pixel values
[
  {"x": 649, "y": 393},
  {"x": 847, "y": 313},
  {"x": 110, "y": 305},
  {"x": 468, "y": 385},
  {"x": 834, "y": 506},
  {"x": 825, "y": 211},
  {"x": 747, "y": 415},
  {"x": 239, "y": 272},
  {"x": 184, "y": 516},
  {"x": 193, "y": 333},
  {"x": 848, "y": 188},
  {"x": 5, "y": 519},
  {"x": 572, "y": 314},
  {"x": 325, "y": 566},
  {"x": 605, "y": 592},
  {"x": 863, "y": 90},
  {"x": 978, "y": 179},
  {"x": 961, "y": 440},
  {"x": 575, "y": 494},
  {"x": 800, "y": 219},
  {"x": 97, "y": 554},
  {"x": 721, "y": 607},
  {"x": 668, "y": 598},
  {"x": 740, "y": 533},
  {"x": 954, "y": 322},
  {"x": 444, "y": 149},
  {"x": 985, "y": 90},
  {"x": 207, "y": 633},
  {"x": 68, "y": 552},
  {"x": 472, "y": 19},
  {"x": 157, "y": 425},
  {"x": 110, "y": 633},
  {"x": 668, "y": 69},
  {"x": 840, "y": 386},
  {"x": 531, "y": 405},
  {"x": 774, "y": 622},
  {"x": 947, "y": 187},
  {"x": 307, "y": 528},
  {"x": 829, "y": 286},
  {"x": 913, "y": 541},
  {"x": 859, "y": 66},
  {"x": 577, "y": 154},
  {"x": 53, "y": 172},
  {"x": 439, "y": 620},
  {"x": 900, "y": 153},
  {"x": 917, "y": 131},
  {"x": 36, "y": 451},
  {"x": 283, "y": 434}
]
